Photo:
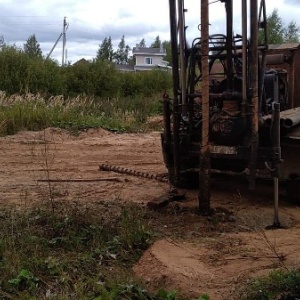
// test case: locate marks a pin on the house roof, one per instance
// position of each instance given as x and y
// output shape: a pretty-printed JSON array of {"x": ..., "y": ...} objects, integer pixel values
[
  {"x": 81, "y": 61},
  {"x": 148, "y": 50}
]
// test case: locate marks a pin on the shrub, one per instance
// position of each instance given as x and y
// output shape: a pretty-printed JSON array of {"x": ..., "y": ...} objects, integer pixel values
[{"x": 20, "y": 73}]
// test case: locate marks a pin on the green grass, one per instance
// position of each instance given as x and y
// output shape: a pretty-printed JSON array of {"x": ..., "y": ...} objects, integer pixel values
[
  {"x": 75, "y": 253},
  {"x": 36, "y": 113},
  {"x": 279, "y": 285}
]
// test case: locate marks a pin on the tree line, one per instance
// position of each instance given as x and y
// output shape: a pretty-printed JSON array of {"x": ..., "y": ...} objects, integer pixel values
[
  {"x": 27, "y": 71},
  {"x": 105, "y": 51},
  {"x": 122, "y": 54},
  {"x": 278, "y": 32}
]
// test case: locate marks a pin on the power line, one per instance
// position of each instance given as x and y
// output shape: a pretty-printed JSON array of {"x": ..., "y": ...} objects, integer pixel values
[
  {"x": 215, "y": 1},
  {"x": 14, "y": 16},
  {"x": 21, "y": 23}
]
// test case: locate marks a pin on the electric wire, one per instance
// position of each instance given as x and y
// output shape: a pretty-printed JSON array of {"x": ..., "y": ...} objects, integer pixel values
[{"x": 212, "y": 2}]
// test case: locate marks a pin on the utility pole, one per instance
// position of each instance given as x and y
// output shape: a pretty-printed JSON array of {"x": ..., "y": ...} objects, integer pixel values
[
  {"x": 65, "y": 27},
  {"x": 62, "y": 35}
]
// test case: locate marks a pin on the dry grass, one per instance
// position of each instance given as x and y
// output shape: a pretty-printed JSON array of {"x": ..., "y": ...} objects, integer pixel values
[{"x": 35, "y": 112}]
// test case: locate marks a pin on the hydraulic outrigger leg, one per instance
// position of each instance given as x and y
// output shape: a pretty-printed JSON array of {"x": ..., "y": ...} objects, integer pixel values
[{"x": 275, "y": 170}]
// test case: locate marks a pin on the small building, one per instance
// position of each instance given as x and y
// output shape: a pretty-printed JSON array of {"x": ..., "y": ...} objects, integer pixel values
[
  {"x": 81, "y": 62},
  {"x": 149, "y": 58}
]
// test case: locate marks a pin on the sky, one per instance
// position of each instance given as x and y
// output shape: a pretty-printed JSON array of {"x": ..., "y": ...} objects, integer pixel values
[{"x": 90, "y": 21}]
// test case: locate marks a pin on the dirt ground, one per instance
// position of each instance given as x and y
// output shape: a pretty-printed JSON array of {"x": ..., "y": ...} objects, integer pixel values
[{"x": 195, "y": 255}]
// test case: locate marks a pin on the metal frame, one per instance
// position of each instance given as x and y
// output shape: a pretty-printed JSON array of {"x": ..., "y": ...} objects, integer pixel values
[{"x": 179, "y": 125}]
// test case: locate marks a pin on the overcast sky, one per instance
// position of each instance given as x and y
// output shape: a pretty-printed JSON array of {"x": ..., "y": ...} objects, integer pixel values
[{"x": 90, "y": 21}]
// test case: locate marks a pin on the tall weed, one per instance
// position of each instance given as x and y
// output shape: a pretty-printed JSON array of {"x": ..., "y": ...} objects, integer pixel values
[{"x": 34, "y": 112}]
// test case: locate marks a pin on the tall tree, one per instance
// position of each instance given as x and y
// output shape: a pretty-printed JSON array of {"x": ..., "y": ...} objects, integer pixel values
[
  {"x": 105, "y": 51},
  {"x": 142, "y": 43},
  {"x": 122, "y": 53},
  {"x": 277, "y": 32},
  {"x": 131, "y": 60},
  {"x": 291, "y": 33},
  {"x": 156, "y": 43},
  {"x": 275, "y": 28},
  {"x": 32, "y": 47},
  {"x": 2, "y": 42},
  {"x": 167, "y": 47}
]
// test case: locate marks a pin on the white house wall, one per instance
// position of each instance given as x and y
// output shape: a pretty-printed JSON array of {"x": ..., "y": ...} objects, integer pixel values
[{"x": 156, "y": 60}]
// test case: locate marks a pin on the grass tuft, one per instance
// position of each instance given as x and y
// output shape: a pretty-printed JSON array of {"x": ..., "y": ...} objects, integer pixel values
[{"x": 279, "y": 285}]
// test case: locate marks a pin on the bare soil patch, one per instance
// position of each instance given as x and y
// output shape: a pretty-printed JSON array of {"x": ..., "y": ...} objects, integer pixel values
[{"x": 194, "y": 254}]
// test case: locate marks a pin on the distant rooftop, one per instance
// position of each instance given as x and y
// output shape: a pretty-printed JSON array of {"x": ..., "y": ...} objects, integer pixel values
[
  {"x": 81, "y": 61},
  {"x": 148, "y": 50}
]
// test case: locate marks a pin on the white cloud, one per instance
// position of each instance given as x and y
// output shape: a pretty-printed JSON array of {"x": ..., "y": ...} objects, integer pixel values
[{"x": 90, "y": 21}]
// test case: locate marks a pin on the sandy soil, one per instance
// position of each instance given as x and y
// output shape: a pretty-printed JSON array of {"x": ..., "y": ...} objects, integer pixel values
[
  {"x": 195, "y": 255},
  {"x": 29, "y": 157}
]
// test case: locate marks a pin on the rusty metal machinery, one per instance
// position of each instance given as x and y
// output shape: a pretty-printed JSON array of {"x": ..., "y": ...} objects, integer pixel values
[{"x": 230, "y": 113}]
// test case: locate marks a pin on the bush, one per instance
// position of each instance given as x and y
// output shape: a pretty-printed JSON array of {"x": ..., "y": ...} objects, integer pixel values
[{"x": 20, "y": 73}]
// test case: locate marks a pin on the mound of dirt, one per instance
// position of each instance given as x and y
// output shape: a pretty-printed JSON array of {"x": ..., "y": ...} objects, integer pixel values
[
  {"x": 217, "y": 266},
  {"x": 94, "y": 132},
  {"x": 49, "y": 135}
]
